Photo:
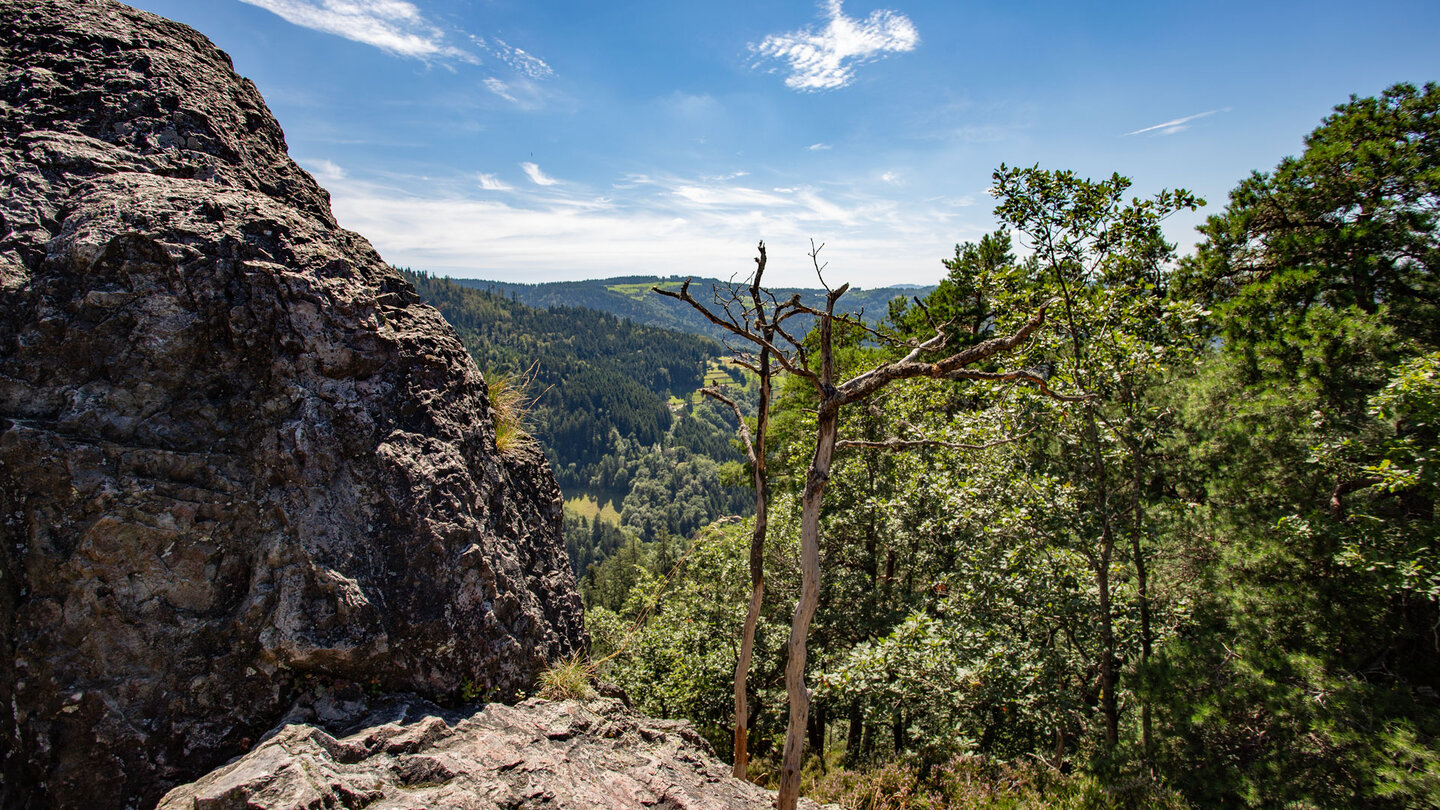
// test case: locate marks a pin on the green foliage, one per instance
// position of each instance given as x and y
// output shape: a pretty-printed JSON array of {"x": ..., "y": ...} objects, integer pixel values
[
  {"x": 978, "y": 783},
  {"x": 1349, "y": 225},
  {"x": 673, "y": 639},
  {"x": 967, "y": 295},
  {"x": 588, "y": 542},
  {"x": 1306, "y": 437}
]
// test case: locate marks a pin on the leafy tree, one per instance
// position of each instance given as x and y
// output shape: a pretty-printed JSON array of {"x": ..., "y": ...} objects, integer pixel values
[
  {"x": 1106, "y": 260},
  {"x": 1315, "y": 655}
]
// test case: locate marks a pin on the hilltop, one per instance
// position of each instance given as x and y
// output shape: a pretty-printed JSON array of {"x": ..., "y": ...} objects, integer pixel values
[{"x": 633, "y": 297}]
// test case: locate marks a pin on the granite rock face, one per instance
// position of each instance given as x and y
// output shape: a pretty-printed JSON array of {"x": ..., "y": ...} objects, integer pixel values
[
  {"x": 239, "y": 460},
  {"x": 539, "y": 754}
]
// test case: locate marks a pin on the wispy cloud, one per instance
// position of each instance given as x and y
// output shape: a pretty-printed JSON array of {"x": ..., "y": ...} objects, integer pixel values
[
  {"x": 825, "y": 59},
  {"x": 395, "y": 26},
  {"x": 1178, "y": 125},
  {"x": 891, "y": 177},
  {"x": 818, "y": 147},
  {"x": 538, "y": 177},
  {"x": 501, "y": 89},
  {"x": 325, "y": 171},
  {"x": 490, "y": 182},
  {"x": 521, "y": 61}
]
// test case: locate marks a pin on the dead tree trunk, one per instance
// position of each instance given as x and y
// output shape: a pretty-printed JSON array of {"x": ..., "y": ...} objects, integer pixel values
[{"x": 755, "y": 314}]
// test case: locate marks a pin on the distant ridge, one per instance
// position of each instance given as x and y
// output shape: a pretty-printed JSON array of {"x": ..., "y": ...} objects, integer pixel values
[{"x": 631, "y": 297}]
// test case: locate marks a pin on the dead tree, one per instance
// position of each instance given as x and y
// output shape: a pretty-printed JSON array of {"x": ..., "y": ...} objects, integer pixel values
[
  {"x": 758, "y": 363},
  {"x": 792, "y": 357}
]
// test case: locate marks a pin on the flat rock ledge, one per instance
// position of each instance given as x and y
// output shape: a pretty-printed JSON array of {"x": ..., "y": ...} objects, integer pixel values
[{"x": 411, "y": 754}]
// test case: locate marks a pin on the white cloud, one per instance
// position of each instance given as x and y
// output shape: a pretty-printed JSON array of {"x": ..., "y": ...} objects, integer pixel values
[
  {"x": 650, "y": 224},
  {"x": 1178, "y": 125},
  {"x": 818, "y": 147},
  {"x": 490, "y": 182},
  {"x": 538, "y": 177},
  {"x": 891, "y": 177},
  {"x": 395, "y": 26},
  {"x": 825, "y": 59},
  {"x": 324, "y": 171}
]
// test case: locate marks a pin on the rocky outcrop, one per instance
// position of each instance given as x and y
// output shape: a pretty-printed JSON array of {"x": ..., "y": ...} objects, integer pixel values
[
  {"x": 239, "y": 460},
  {"x": 408, "y": 754}
]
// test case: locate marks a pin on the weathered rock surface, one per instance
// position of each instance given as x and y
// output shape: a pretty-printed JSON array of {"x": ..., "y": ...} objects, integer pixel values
[
  {"x": 238, "y": 458},
  {"x": 564, "y": 755}
]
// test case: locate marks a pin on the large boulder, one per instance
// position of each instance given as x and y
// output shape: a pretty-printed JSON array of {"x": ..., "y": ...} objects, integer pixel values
[
  {"x": 240, "y": 461},
  {"x": 539, "y": 754}
]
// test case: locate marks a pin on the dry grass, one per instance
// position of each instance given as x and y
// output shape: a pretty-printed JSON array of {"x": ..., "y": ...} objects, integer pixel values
[
  {"x": 510, "y": 405},
  {"x": 567, "y": 679}
]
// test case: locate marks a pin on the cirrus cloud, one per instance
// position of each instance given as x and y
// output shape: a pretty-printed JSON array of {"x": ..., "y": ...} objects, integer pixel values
[
  {"x": 538, "y": 177},
  {"x": 395, "y": 26}
]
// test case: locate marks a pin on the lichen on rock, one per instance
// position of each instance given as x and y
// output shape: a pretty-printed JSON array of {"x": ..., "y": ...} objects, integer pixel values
[{"x": 238, "y": 457}]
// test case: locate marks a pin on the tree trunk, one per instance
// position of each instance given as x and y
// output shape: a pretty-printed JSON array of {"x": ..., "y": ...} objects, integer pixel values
[
  {"x": 757, "y": 582},
  {"x": 1141, "y": 584},
  {"x": 1109, "y": 706},
  {"x": 818, "y": 721},
  {"x": 827, "y": 425},
  {"x": 853, "y": 734},
  {"x": 742, "y": 670}
]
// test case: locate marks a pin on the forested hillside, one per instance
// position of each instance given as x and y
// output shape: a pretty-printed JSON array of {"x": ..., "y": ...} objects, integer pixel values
[
  {"x": 1177, "y": 548},
  {"x": 589, "y": 373},
  {"x": 632, "y": 297},
  {"x": 613, "y": 404}
]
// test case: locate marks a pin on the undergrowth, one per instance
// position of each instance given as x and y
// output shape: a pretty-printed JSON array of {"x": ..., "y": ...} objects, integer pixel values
[{"x": 969, "y": 782}]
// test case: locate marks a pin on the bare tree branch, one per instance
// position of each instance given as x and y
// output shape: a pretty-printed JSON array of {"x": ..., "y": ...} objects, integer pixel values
[
  {"x": 714, "y": 392},
  {"x": 782, "y": 357},
  {"x": 863, "y": 385}
]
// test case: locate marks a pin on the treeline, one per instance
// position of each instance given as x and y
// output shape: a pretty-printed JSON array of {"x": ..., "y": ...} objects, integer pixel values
[
  {"x": 631, "y": 297},
  {"x": 592, "y": 375},
  {"x": 1188, "y": 558}
]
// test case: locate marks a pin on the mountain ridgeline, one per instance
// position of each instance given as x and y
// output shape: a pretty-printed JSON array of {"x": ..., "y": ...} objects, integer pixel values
[{"x": 633, "y": 297}]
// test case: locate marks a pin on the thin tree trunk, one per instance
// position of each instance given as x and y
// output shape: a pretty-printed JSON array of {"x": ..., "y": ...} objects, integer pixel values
[
  {"x": 827, "y": 426},
  {"x": 742, "y": 671},
  {"x": 1141, "y": 583},
  {"x": 757, "y": 562},
  {"x": 1108, "y": 703}
]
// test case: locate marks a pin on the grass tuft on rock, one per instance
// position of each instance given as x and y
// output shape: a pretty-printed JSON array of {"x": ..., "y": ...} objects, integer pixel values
[
  {"x": 510, "y": 406},
  {"x": 567, "y": 679}
]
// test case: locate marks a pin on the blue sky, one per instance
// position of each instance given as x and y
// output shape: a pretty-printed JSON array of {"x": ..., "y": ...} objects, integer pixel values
[{"x": 527, "y": 140}]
